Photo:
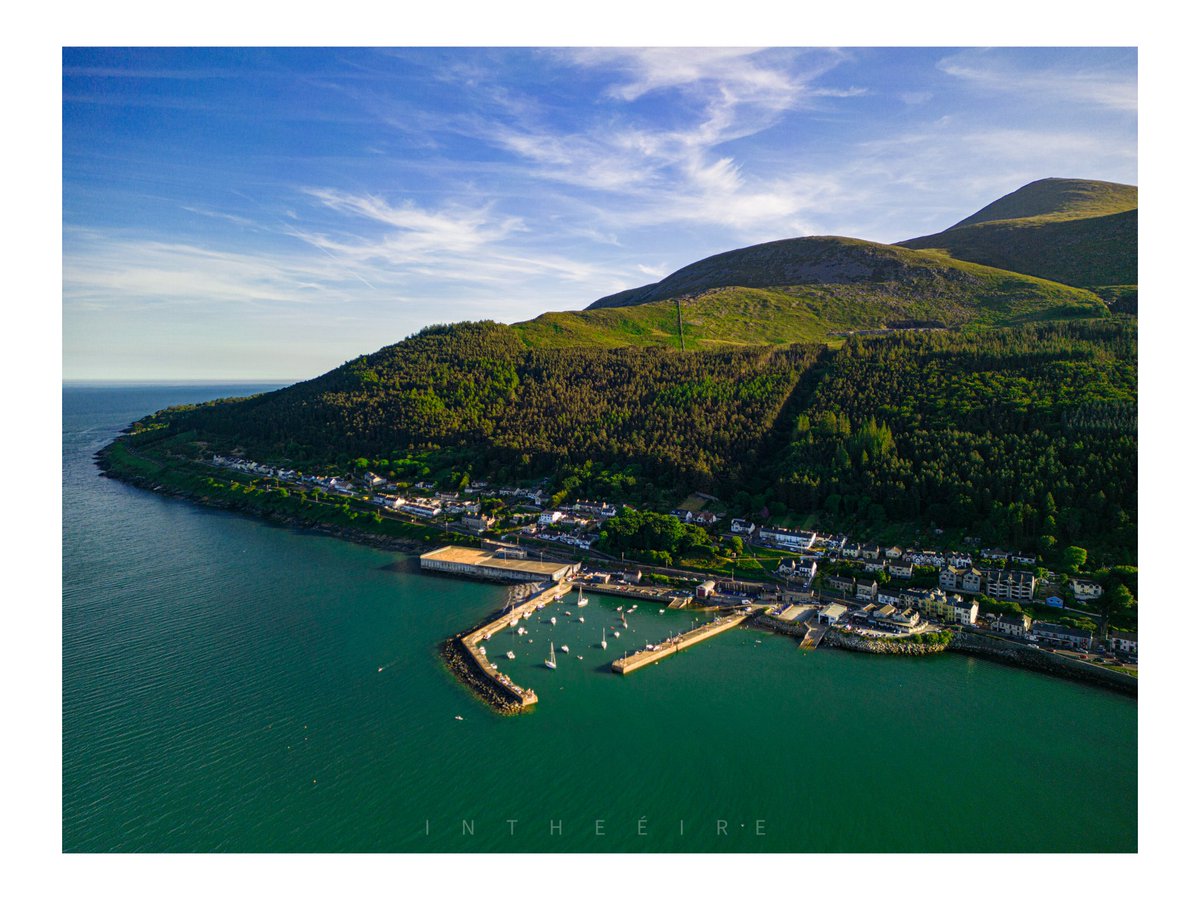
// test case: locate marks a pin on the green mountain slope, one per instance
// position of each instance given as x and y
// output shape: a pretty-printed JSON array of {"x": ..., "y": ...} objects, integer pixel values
[
  {"x": 810, "y": 289},
  {"x": 1077, "y": 232}
]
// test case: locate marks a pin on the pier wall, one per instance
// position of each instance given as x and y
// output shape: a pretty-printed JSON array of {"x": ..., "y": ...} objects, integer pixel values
[
  {"x": 474, "y": 668},
  {"x": 645, "y": 657}
]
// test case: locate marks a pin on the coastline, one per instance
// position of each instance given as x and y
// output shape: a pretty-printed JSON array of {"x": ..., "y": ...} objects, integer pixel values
[
  {"x": 282, "y": 517},
  {"x": 452, "y": 655},
  {"x": 996, "y": 649}
]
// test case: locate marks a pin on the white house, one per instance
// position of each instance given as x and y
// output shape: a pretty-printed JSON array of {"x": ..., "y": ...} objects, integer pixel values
[
  {"x": 1123, "y": 642},
  {"x": 1086, "y": 590}
]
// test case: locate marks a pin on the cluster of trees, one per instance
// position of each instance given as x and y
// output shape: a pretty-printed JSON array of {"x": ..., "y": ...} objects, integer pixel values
[
  {"x": 653, "y": 537},
  {"x": 1001, "y": 432}
]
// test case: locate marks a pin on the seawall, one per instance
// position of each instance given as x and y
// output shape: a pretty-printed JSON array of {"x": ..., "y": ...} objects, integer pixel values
[
  {"x": 997, "y": 649},
  {"x": 1016, "y": 654}
]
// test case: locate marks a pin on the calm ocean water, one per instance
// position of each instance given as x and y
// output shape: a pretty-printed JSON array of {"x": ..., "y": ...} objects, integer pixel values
[{"x": 222, "y": 692}]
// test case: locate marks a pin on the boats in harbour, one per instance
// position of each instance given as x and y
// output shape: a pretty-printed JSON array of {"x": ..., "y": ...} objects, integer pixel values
[
  {"x": 603, "y": 640},
  {"x": 581, "y": 600},
  {"x": 551, "y": 663}
]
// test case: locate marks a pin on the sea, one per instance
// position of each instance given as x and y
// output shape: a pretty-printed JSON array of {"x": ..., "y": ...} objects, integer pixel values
[{"x": 230, "y": 685}]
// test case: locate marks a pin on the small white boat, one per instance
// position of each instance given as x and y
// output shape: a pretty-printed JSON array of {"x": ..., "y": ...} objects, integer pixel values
[
  {"x": 526, "y": 614},
  {"x": 632, "y": 608},
  {"x": 483, "y": 651},
  {"x": 511, "y": 655},
  {"x": 460, "y": 718},
  {"x": 620, "y": 609},
  {"x": 661, "y": 611},
  {"x": 568, "y": 612},
  {"x": 550, "y": 663},
  {"x": 578, "y": 657},
  {"x": 520, "y": 631},
  {"x": 582, "y": 620},
  {"x": 553, "y": 621},
  {"x": 582, "y": 600},
  {"x": 565, "y": 648},
  {"x": 616, "y": 634},
  {"x": 603, "y": 640}
]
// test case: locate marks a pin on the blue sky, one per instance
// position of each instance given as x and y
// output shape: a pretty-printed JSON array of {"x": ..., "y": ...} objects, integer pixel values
[{"x": 248, "y": 213}]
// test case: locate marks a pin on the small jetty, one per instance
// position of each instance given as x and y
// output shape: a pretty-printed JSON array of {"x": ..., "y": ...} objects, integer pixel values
[
  {"x": 467, "y": 657},
  {"x": 655, "y": 652}
]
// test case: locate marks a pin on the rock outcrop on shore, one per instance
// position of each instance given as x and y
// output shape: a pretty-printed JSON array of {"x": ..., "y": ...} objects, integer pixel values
[{"x": 890, "y": 646}]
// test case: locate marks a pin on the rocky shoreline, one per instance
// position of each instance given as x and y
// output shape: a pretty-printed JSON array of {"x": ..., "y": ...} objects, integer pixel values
[
  {"x": 858, "y": 643},
  {"x": 995, "y": 649}
]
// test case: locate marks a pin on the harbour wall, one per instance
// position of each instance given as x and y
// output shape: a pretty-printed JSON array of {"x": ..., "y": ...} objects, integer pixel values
[{"x": 635, "y": 661}]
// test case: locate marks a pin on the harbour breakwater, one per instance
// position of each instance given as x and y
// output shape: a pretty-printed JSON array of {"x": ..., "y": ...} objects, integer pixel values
[{"x": 466, "y": 658}]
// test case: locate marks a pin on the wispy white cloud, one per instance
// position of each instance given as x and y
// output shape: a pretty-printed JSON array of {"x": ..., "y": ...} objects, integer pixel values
[
  {"x": 105, "y": 270},
  {"x": 660, "y": 175},
  {"x": 1098, "y": 86}
]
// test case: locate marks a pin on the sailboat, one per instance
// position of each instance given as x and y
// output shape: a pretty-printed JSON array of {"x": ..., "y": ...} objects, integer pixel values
[
  {"x": 550, "y": 663},
  {"x": 553, "y": 621},
  {"x": 603, "y": 640},
  {"x": 582, "y": 601}
]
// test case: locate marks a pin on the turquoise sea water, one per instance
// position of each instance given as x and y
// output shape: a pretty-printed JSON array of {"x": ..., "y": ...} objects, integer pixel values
[{"x": 222, "y": 692}]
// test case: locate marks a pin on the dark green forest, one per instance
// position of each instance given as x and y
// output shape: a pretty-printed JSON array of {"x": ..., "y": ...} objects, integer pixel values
[
  {"x": 1024, "y": 435},
  {"x": 1027, "y": 435}
]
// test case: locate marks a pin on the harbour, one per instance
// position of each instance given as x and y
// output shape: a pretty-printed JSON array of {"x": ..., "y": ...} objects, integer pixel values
[{"x": 237, "y": 639}]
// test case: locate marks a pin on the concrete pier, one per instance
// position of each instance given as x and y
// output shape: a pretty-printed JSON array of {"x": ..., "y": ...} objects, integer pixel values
[
  {"x": 471, "y": 644},
  {"x": 633, "y": 591},
  {"x": 635, "y": 661}
]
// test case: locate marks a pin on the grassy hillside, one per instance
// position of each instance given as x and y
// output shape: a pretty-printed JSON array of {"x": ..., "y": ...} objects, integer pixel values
[
  {"x": 1057, "y": 200},
  {"x": 810, "y": 289},
  {"x": 1082, "y": 233}
]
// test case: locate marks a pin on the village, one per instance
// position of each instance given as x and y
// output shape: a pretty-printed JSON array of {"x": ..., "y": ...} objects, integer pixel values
[{"x": 821, "y": 581}]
